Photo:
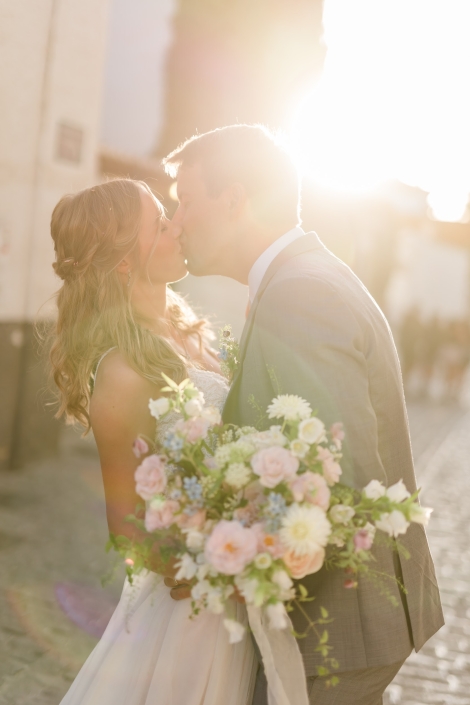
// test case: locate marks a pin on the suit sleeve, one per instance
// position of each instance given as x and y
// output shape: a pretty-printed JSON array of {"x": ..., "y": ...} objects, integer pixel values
[{"x": 313, "y": 346}]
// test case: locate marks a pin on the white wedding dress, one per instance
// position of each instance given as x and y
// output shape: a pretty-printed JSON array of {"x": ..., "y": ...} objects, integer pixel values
[{"x": 152, "y": 653}]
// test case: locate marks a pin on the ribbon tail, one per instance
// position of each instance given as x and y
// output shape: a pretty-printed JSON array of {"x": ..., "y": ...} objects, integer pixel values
[{"x": 282, "y": 661}]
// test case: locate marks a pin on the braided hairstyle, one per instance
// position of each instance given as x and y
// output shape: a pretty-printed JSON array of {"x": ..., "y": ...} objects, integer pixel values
[{"x": 93, "y": 231}]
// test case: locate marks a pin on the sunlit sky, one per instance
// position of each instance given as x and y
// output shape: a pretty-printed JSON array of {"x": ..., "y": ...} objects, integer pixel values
[{"x": 393, "y": 101}]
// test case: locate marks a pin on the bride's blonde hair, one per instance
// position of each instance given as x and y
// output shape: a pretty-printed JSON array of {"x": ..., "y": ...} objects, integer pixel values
[{"x": 93, "y": 231}]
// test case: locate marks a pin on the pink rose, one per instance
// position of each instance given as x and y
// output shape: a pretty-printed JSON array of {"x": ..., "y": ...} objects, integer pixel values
[
  {"x": 139, "y": 447},
  {"x": 195, "y": 521},
  {"x": 193, "y": 429},
  {"x": 230, "y": 547},
  {"x": 269, "y": 543},
  {"x": 331, "y": 469},
  {"x": 273, "y": 465},
  {"x": 337, "y": 434},
  {"x": 363, "y": 540},
  {"x": 311, "y": 487},
  {"x": 300, "y": 566},
  {"x": 161, "y": 515},
  {"x": 150, "y": 476}
]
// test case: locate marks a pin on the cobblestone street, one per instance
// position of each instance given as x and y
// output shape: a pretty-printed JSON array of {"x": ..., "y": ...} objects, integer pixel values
[{"x": 52, "y": 533}]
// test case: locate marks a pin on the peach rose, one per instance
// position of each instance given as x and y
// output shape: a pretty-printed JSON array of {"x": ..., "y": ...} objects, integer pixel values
[
  {"x": 195, "y": 521},
  {"x": 150, "y": 476},
  {"x": 311, "y": 487},
  {"x": 268, "y": 542},
  {"x": 161, "y": 514},
  {"x": 273, "y": 465},
  {"x": 300, "y": 566},
  {"x": 331, "y": 469},
  {"x": 230, "y": 547}
]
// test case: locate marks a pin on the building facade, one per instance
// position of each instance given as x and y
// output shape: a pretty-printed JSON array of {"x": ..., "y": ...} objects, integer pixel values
[{"x": 51, "y": 77}]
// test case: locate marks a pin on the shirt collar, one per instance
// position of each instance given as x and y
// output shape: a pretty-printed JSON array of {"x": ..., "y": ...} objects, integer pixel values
[{"x": 260, "y": 267}]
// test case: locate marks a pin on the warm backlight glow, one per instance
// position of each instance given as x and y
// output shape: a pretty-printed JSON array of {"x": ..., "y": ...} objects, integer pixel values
[{"x": 393, "y": 101}]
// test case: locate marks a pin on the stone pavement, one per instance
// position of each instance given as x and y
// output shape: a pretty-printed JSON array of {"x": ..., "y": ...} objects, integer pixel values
[
  {"x": 52, "y": 533},
  {"x": 440, "y": 673}
]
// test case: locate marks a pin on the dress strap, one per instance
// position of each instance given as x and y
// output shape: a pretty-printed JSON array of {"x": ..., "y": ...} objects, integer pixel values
[{"x": 100, "y": 361}]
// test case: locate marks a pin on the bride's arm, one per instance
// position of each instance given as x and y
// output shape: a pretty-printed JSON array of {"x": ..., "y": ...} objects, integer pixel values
[{"x": 119, "y": 413}]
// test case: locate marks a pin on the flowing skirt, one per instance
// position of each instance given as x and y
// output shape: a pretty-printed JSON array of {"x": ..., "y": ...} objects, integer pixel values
[{"x": 152, "y": 653}]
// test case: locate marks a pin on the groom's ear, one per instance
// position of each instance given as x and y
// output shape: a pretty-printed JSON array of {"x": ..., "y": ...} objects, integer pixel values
[{"x": 236, "y": 198}]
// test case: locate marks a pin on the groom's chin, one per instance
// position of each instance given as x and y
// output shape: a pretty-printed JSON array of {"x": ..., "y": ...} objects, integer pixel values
[{"x": 195, "y": 269}]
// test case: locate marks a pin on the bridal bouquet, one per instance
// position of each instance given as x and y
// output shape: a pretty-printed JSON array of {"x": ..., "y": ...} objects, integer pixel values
[{"x": 252, "y": 511}]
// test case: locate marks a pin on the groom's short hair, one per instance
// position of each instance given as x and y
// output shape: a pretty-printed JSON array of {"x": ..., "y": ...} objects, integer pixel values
[{"x": 248, "y": 154}]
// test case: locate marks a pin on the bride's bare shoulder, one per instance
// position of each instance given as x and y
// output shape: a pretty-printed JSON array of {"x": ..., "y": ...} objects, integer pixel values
[{"x": 119, "y": 389}]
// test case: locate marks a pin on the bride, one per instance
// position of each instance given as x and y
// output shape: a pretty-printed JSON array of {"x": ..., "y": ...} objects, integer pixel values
[{"x": 119, "y": 328}]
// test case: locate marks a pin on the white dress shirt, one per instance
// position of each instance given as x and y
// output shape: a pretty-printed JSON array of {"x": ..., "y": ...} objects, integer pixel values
[{"x": 260, "y": 267}]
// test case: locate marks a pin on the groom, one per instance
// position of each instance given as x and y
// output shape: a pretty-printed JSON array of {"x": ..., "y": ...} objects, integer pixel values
[{"x": 315, "y": 331}]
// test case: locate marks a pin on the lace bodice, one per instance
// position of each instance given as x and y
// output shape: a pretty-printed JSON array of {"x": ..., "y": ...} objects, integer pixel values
[{"x": 211, "y": 384}]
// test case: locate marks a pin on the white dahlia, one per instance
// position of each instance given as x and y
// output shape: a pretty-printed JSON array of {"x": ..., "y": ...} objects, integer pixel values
[
  {"x": 289, "y": 407},
  {"x": 304, "y": 529}
]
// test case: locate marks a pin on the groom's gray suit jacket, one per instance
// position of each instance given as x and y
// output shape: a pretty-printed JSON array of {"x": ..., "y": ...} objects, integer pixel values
[{"x": 314, "y": 330}]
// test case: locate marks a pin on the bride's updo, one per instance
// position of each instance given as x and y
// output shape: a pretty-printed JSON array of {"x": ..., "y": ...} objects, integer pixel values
[{"x": 93, "y": 231}]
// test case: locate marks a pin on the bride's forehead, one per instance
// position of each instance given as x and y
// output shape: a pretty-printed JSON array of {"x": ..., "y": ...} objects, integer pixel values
[{"x": 151, "y": 206}]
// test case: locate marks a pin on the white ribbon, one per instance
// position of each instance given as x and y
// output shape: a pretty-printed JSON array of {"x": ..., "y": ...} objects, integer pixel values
[{"x": 282, "y": 661}]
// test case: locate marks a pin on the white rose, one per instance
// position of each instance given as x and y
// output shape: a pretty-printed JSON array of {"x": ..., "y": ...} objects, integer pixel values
[
  {"x": 235, "y": 629},
  {"x": 187, "y": 568},
  {"x": 393, "y": 523},
  {"x": 341, "y": 513},
  {"x": 211, "y": 414},
  {"x": 193, "y": 407},
  {"x": 398, "y": 492},
  {"x": 419, "y": 514},
  {"x": 263, "y": 561},
  {"x": 275, "y": 436},
  {"x": 299, "y": 448},
  {"x": 281, "y": 578},
  {"x": 374, "y": 490},
  {"x": 194, "y": 539},
  {"x": 267, "y": 439},
  {"x": 312, "y": 430},
  {"x": 278, "y": 618},
  {"x": 159, "y": 407}
]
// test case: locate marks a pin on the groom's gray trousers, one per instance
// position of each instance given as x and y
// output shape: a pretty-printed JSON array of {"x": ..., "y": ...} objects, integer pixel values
[{"x": 363, "y": 687}]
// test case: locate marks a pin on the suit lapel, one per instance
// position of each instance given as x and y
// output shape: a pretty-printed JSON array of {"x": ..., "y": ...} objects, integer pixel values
[{"x": 307, "y": 243}]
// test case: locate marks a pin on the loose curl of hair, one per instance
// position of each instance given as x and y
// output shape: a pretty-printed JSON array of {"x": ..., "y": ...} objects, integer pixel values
[{"x": 93, "y": 230}]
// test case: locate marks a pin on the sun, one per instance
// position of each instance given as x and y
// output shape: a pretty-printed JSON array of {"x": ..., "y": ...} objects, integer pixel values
[{"x": 392, "y": 102}]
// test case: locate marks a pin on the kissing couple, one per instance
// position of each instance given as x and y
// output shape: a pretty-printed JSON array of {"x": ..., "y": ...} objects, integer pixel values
[{"x": 312, "y": 330}]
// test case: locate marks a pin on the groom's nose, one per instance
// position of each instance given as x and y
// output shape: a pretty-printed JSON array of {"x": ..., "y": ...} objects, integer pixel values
[{"x": 175, "y": 229}]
